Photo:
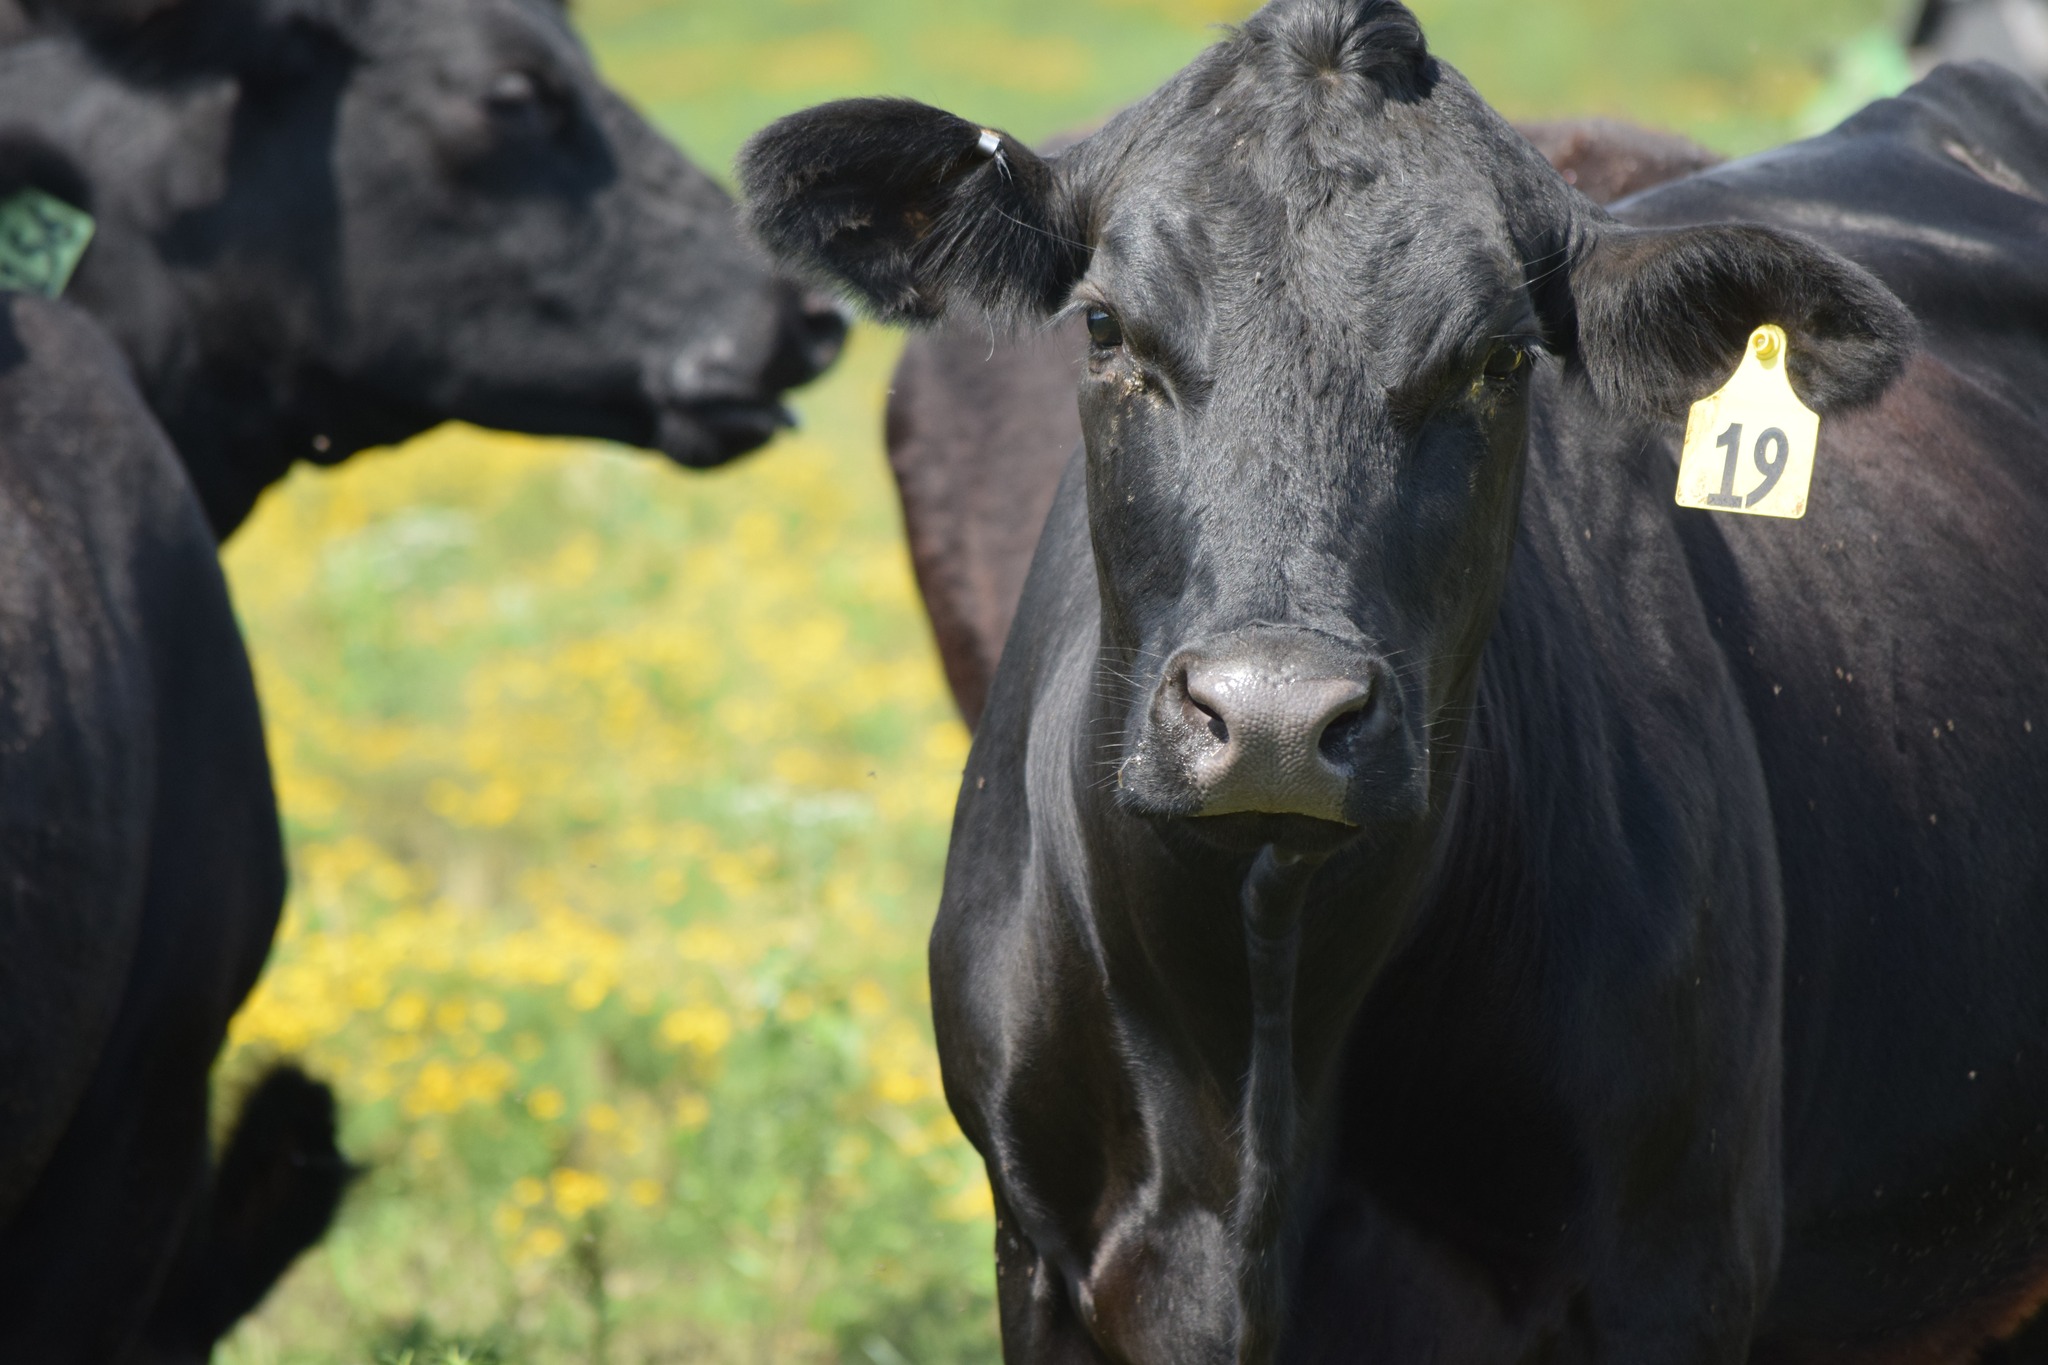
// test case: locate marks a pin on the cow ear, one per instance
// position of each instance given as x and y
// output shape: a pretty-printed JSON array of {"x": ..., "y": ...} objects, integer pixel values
[
  {"x": 1663, "y": 314},
  {"x": 914, "y": 210}
]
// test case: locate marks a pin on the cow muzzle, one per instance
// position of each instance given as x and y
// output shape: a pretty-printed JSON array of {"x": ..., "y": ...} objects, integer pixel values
[
  {"x": 1278, "y": 722},
  {"x": 721, "y": 396}
]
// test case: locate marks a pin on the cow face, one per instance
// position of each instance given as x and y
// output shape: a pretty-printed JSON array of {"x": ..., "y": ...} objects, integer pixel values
[
  {"x": 331, "y": 223},
  {"x": 1318, "y": 274}
]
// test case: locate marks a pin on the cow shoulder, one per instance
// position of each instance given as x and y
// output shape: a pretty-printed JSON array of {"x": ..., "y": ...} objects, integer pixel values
[
  {"x": 76, "y": 720},
  {"x": 1017, "y": 850}
]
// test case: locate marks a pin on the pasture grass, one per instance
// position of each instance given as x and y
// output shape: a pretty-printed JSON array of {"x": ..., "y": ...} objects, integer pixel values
[{"x": 617, "y": 797}]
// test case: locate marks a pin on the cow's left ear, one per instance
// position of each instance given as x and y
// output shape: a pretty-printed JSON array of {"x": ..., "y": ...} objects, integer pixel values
[
  {"x": 1662, "y": 315},
  {"x": 913, "y": 209}
]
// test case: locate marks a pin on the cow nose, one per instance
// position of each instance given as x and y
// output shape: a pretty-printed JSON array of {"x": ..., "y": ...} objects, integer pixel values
[{"x": 1269, "y": 736}]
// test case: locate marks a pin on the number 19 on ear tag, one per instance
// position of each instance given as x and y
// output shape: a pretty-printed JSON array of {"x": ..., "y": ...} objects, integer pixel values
[{"x": 1749, "y": 448}]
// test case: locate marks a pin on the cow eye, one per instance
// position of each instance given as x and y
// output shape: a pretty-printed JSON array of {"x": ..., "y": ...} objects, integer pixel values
[
  {"x": 522, "y": 100},
  {"x": 1104, "y": 331},
  {"x": 1505, "y": 362}
]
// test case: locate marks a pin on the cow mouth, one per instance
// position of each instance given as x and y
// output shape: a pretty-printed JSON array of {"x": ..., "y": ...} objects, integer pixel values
[
  {"x": 1249, "y": 831},
  {"x": 704, "y": 434}
]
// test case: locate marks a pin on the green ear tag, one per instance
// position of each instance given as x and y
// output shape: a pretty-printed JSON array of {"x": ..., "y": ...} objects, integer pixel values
[
  {"x": 41, "y": 240},
  {"x": 1749, "y": 447}
]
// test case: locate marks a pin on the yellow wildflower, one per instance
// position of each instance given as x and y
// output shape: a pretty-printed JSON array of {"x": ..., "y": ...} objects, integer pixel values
[
  {"x": 407, "y": 1012},
  {"x": 705, "y": 1028},
  {"x": 540, "y": 1244},
  {"x": 578, "y": 1192}
]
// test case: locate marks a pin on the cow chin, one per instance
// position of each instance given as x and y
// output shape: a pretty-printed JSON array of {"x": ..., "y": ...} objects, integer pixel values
[{"x": 705, "y": 435}]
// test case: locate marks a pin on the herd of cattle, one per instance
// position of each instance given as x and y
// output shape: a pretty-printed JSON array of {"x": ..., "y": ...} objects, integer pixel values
[{"x": 1416, "y": 893}]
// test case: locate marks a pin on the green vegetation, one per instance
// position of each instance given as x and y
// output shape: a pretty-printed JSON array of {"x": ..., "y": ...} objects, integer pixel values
[{"x": 618, "y": 796}]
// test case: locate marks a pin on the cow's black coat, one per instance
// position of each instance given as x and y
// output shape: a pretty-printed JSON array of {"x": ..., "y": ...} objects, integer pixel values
[
  {"x": 1674, "y": 986},
  {"x": 140, "y": 879},
  {"x": 330, "y": 224}
]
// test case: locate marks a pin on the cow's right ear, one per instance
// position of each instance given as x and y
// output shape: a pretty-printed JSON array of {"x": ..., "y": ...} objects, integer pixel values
[{"x": 914, "y": 210}]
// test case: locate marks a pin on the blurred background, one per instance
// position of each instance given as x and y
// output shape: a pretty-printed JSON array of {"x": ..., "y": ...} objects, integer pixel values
[{"x": 617, "y": 796}]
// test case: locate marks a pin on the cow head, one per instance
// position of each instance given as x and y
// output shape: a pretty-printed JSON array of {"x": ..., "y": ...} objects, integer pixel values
[
  {"x": 326, "y": 224},
  {"x": 1318, "y": 273}
]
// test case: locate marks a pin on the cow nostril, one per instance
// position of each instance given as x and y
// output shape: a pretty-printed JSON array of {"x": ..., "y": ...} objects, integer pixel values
[
  {"x": 1199, "y": 714},
  {"x": 1202, "y": 717},
  {"x": 1335, "y": 742}
]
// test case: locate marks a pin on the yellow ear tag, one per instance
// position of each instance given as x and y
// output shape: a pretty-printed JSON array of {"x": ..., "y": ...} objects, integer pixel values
[{"x": 1749, "y": 448}]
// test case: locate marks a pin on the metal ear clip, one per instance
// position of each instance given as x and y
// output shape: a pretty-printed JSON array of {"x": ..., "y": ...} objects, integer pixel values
[{"x": 990, "y": 145}]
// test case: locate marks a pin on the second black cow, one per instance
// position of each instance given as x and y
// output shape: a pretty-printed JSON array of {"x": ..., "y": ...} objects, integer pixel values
[{"x": 331, "y": 224}]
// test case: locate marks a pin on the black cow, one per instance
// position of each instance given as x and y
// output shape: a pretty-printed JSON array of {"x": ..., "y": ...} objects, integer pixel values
[
  {"x": 1416, "y": 893},
  {"x": 331, "y": 224},
  {"x": 140, "y": 879},
  {"x": 980, "y": 425},
  {"x": 320, "y": 226}
]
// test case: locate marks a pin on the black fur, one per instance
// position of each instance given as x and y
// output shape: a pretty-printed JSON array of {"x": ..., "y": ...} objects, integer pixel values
[{"x": 141, "y": 869}]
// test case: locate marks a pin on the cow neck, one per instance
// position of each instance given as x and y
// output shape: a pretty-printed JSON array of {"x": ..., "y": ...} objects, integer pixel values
[
  {"x": 1240, "y": 973},
  {"x": 1313, "y": 939},
  {"x": 1271, "y": 903},
  {"x": 239, "y": 433}
]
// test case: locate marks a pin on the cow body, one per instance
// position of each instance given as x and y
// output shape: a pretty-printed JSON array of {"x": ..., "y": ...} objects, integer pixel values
[
  {"x": 1722, "y": 1033},
  {"x": 1641, "y": 961},
  {"x": 980, "y": 424},
  {"x": 139, "y": 846}
]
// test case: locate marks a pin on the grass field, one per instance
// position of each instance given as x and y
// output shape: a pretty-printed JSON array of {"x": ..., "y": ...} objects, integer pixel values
[{"x": 617, "y": 796}]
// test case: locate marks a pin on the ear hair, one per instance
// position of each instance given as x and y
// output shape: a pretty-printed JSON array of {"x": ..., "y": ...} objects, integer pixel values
[
  {"x": 912, "y": 209},
  {"x": 1663, "y": 315}
]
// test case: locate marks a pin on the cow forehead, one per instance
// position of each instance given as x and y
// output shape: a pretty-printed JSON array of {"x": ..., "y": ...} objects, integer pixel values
[{"x": 1398, "y": 269}]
